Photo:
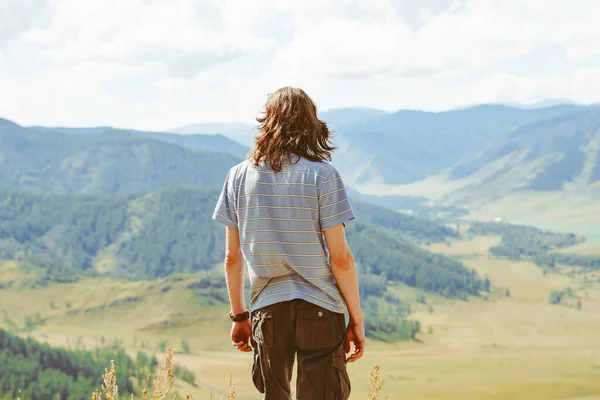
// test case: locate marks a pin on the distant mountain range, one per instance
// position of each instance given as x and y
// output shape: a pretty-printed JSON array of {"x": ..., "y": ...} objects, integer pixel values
[
  {"x": 207, "y": 141},
  {"x": 547, "y": 155},
  {"x": 407, "y": 146},
  {"x": 479, "y": 153},
  {"x": 102, "y": 160},
  {"x": 400, "y": 148}
]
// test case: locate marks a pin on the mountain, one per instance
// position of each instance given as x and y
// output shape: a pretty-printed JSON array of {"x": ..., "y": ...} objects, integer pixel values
[
  {"x": 239, "y": 132},
  {"x": 105, "y": 162},
  {"x": 417, "y": 229},
  {"x": 407, "y": 146},
  {"x": 552, "y": 155},
  {"x": 170, "y": 231},
  {"x": 206, "y": 142},
  {"x": 418, "y": 206}
]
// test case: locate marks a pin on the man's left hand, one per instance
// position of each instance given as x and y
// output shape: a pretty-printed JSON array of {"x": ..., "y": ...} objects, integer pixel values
[{"x": 241, "y": 335}]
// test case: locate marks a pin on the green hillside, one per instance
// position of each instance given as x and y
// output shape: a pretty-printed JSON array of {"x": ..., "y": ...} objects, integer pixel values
[
  {"x": 381, "y": 253},
  {"x": 214, "y": 142},
  {"x": 143, "y": 236},
  {"x": 30, "y": 370},
  {"x": 101, "y": 163},
  {"x": 406, "y": 146},
  {"x": 170, "y": 231},
  {"x": 418, "y": 229}
]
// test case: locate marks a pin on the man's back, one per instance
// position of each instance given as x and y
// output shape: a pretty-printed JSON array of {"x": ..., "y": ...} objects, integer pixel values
[
  {"x": 281, "y": 218},
  {"x": 285, "y": 209}
]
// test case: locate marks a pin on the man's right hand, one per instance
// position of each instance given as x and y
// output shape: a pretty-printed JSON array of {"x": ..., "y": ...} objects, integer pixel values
[{"x": 355, "y": 335}]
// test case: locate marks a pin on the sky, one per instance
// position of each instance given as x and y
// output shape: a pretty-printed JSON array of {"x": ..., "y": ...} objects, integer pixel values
[{"x": 158, "y": 64}]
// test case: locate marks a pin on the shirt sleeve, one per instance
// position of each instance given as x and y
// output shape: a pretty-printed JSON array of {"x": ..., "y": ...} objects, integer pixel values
[
  {"x": 225, "y": 211},
  {"x": 334, "y": 205}
]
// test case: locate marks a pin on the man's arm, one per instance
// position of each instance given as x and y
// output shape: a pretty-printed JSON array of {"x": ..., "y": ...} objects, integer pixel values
[
  {"x": 344, "y": 270},
  {"x": 241, "y": 332},
  {"x": 234, "y": 271}
]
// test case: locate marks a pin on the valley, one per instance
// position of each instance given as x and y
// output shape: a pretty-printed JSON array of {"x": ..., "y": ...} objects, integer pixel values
[
  {"x": 106, "y": 242},
  {"x": 517, "y": 347}
]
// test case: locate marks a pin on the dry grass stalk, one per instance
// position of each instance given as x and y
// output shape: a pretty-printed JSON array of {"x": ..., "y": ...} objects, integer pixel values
[
  {"x": 231, "y": 393},
  {"x": 145, "y": 390},
  {"x": 109, "y": 385},
  {"x": 375, "y": 384},
  {"x": 163, "y": 381}
]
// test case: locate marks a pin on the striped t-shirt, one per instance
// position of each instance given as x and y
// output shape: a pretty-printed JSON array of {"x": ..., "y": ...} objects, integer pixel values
[{"x": 281, "y": 218}]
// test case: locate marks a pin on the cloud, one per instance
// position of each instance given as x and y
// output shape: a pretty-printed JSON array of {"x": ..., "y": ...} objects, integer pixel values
[
  {"x": 17, "y": 17},
  {"x": 159, "y": 63},
  {"x": 185, "y": 35}
]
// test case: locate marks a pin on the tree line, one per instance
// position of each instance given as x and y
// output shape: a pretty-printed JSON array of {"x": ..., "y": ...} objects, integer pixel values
[
  {"x": 32, "y": 370},
  {"x": 533, "y": 244}
]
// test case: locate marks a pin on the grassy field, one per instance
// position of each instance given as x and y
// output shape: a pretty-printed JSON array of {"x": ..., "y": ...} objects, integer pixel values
[{"x": 516, "y": 347}]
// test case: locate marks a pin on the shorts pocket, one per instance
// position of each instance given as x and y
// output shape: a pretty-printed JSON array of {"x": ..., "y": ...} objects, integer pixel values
[
  {"x": 319, "y": 329},
  {"x": 339, "y": 379},
  {"x": 262, "y": 328}
]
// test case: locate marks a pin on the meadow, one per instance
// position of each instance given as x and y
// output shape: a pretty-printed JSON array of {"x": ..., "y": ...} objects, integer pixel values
[{"x": 496, "y": 347}]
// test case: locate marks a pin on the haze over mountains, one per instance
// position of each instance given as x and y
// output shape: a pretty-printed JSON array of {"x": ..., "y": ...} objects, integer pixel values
[
  {"x": 467, "y": 157},
  {"x": 105, "y": 161},
  {"x": 471, "y": 157},
  {"x": 560, "y": 153}
]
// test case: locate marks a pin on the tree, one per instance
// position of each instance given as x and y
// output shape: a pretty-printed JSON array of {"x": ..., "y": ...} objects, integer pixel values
[
  {"x": 163, "y": 345},
  {"x": 28, "y": 323},
  {"x": 153, "y": 363},
  {"x": 31, "y": 370},
  {"x": 486, "y": 284},
  {"x": 579, "y": 304},
  {"x": 507, "y": 292},
  {"x": 185, "y": 346},
  {"x": 556, "y": 297}
]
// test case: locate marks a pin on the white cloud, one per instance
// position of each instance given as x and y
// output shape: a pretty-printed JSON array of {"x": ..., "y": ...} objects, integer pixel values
[
  {"x": 16, "y": 16},
  {"x": 160, "y": 63}
]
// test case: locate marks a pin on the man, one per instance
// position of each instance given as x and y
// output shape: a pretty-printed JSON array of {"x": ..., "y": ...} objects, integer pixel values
[{"x": 285, "y": 209}]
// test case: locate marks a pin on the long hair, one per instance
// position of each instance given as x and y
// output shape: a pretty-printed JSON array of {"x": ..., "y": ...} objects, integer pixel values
[{"x": 290, "y": 127}]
